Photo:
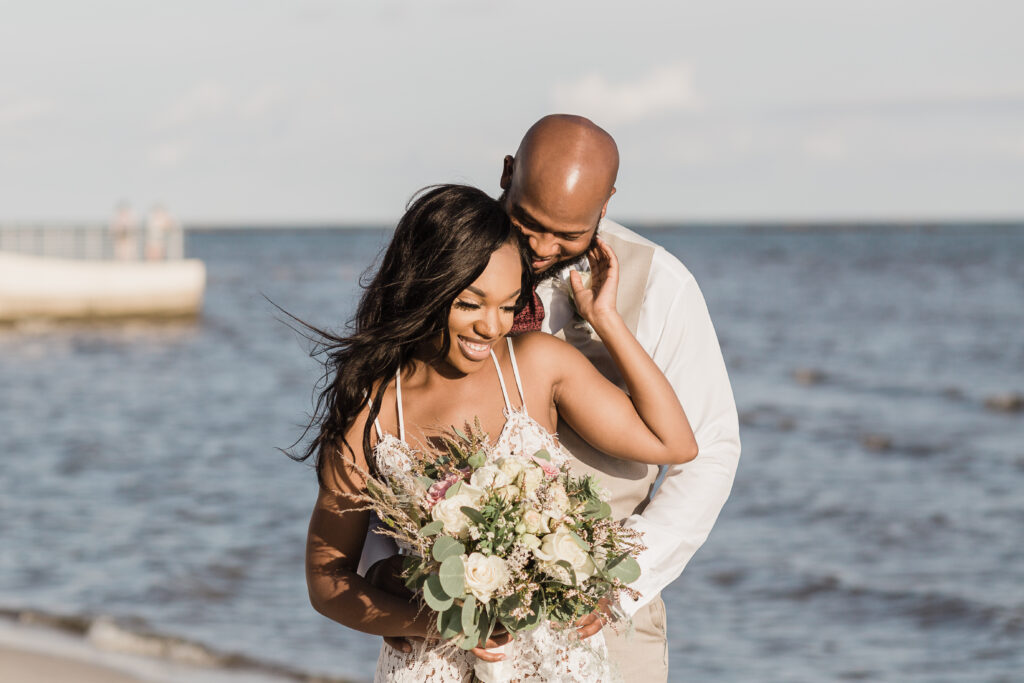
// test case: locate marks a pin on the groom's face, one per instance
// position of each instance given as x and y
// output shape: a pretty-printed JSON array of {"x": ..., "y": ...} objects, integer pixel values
[{"x": 553, "y": 236}]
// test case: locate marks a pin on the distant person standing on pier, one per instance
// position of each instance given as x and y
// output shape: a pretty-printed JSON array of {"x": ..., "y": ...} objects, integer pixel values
[
  {"x": 159, "y": 226},
  {"x": 124, "y": 229}
]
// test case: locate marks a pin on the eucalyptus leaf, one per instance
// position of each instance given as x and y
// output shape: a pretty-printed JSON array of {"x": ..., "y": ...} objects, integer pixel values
[
  {"x": 626, "y": 570},
  {"x": 470, "y": 641},
  {"x": 470, "y": 619},
  {"x": 453, "y": 490},
  {"x": 449, "y": 622},
  {"x": 445, "y": 547},
  {"x": 473, "y": 514},
  {"x": 432, "y": 528},
  {"x": 543, "y": 455},
  {"x": 435, "y": 596},
  {"x": 579, "y": 541},
  {"x": 453, "y": 576}
]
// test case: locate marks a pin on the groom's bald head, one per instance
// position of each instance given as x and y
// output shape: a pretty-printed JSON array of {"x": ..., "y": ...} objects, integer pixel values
[{"x": 558, "y": 185}]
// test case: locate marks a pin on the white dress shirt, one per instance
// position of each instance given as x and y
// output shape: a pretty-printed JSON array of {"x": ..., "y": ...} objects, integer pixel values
[{"x": 675, "y": 329}]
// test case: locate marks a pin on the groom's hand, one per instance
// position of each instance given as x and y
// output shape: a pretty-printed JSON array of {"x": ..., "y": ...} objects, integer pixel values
[{"x": 590, "y": 624}]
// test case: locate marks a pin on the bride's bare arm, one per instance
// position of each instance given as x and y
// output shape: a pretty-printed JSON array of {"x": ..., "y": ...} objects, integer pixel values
[
  {"x": 649, "y": 425},
  {"x": 334, "y": 544}
]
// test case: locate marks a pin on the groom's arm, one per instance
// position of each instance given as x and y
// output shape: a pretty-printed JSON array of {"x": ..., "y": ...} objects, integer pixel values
[{"x": 679, "y": 518}]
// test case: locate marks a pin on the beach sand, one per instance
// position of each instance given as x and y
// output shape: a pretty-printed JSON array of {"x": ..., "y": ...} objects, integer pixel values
[{"x": 36, "y": 667}]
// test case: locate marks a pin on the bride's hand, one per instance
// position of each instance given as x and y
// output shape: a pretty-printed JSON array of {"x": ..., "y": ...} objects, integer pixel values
[
  {"x": 498, "y": 638},
  {"x": 590, "y": 624},
  {"x": 597, "y": 301}
]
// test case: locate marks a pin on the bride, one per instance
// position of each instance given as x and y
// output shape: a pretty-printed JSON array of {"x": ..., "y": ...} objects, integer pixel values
[{"x": 429, "y": 350}]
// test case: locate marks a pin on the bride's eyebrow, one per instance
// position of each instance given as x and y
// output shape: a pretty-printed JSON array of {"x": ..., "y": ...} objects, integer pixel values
[{"x": 481, "y": 293}]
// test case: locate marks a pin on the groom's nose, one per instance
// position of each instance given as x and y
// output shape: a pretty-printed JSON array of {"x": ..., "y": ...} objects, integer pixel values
[{"x": 543, "y": 245}]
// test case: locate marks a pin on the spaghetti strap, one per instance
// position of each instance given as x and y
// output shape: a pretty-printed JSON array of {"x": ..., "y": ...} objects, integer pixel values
[
  {"x": 515, "y": 371},
  {"x": 376, "y": 421},
  {"x": 504, "y": 391},
  {"x": 401, "y": 418}
]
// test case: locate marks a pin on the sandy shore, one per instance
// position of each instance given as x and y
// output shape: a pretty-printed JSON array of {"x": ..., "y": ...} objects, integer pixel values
[{"x": 25, "y": 666}]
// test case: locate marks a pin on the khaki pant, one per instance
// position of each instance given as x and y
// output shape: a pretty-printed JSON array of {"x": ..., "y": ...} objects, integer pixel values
[{"x": 639, "y": 654}]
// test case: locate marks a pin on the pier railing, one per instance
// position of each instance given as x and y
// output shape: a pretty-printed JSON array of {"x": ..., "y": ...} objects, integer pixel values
[{"x": 92, "y": 242}]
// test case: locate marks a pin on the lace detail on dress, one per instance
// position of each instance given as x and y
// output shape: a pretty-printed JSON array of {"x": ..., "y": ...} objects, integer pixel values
[{"x": 545, "y": 654}]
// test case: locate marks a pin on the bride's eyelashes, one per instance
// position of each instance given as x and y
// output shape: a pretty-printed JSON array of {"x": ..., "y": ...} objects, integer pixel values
[{"x": 472, "y": 306}]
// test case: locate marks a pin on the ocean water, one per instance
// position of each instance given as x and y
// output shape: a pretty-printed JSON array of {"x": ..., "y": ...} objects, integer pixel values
[{"x": 874, "y": 531}]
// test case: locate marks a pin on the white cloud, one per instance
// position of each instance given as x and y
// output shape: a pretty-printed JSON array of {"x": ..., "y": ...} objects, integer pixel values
[
  {"x": 824, "y": 147},
  {"x": 167, "y": 153},
  {"x": 22, "y": 111},
  {"x": 662, "y": 90},
  {"x": 260, "y": 102},
  {"x": 205, "y": 101}
]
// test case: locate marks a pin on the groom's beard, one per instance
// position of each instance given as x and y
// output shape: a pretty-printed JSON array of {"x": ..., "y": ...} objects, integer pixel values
[{"x": 555, "y": 268}]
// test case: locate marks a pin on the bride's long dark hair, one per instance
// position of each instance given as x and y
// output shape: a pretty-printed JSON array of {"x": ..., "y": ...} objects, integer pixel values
[{"x": 440, "y": 246}]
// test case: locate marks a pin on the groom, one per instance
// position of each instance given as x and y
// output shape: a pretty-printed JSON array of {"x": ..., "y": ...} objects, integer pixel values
[{"x": 556, "y": 191}]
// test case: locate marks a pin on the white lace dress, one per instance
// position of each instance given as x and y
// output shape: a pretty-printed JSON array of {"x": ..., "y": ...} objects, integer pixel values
[{"x": 543, "y": 654}]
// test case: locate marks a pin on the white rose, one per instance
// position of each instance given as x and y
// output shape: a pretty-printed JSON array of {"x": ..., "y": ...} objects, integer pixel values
[
  {"x": 530, "y": 541},
  {"x": 536, "y": 522},
  {"x": 448, "y": 511},
  {"x": 558, "y": 502},
  {"x": 474, "y": 494},
  {"x": 489, "y": 476},
  {"x": 509, "y": 493},
  {"x": 512, "y": 467},
  {"x": 561, "y": 546},
  {"x": 533, "y": 475},
  {"x": 484, "y": 574}
]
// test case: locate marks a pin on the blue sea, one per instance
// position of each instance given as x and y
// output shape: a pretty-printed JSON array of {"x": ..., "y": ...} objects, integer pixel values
[{"x": 875, "y": 530}]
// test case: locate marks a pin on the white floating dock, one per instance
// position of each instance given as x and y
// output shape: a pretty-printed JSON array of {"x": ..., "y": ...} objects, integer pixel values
[{"x": 43, "y": 287}]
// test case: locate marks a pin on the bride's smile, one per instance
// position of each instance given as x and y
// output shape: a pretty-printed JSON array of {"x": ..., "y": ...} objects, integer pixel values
[{"x": 483, "y": 312}]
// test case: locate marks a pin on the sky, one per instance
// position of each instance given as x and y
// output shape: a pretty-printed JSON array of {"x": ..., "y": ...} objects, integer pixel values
[{"x": 316, "y": 111}]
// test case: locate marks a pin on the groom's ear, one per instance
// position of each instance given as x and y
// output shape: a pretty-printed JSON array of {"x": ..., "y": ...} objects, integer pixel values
[
  {"x": 506, "y": 171},
  {"x": 604, "y": 209}
]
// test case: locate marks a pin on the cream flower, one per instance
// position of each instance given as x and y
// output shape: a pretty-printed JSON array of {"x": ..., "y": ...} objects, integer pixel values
[
  {"x": 511, "y": 467},
  {"x": 489, "y": 476},
  {"x": 484, "y": 575},
  {"x": 536, "y": 522},
  {"x": 533, "y": 475},
  {"x": 557, "y": 503},
  {"x": 561, "y": 546},
  {"x": 509, "y": 493},
  {"x": 449, "y": 512}
]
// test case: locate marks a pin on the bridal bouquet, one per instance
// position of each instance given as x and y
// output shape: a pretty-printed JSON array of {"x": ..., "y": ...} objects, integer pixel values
[{"x": 512, "y": 540}]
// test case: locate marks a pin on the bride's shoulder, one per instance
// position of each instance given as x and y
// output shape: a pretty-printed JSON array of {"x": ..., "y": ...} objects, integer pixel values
[{"x": 541, "y": 348}]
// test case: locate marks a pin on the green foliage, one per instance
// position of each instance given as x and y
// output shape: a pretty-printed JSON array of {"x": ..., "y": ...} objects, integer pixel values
[
  {"x": 432, "y": 528},
  {"x": 625, "y": 570},
  {"x": 453, "y": 490},
  {"x": 435, "y": 596},
  {"x": 452, "y": 575},
  {"x": 449, "y": 622},
  {"x": 473, "y": 514},
  {"x": 445, "y": 547}
]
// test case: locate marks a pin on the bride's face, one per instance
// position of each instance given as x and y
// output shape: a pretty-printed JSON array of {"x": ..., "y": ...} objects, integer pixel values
[{"x": 482, "y": 314}]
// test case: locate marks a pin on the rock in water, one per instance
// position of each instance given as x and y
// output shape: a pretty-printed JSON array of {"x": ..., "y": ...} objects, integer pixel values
[
  {"x": 1005, "y": 403},
  {"x": 808, "y": 376}
]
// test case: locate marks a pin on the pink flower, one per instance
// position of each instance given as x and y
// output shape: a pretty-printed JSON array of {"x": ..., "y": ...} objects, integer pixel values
[
  {"x": 438, "y": 489},
  {"x": 545, "y": 465}
]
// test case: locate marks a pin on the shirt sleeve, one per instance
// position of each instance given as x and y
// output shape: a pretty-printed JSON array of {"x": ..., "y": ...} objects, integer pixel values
[{"x": 676, "y": 330}]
